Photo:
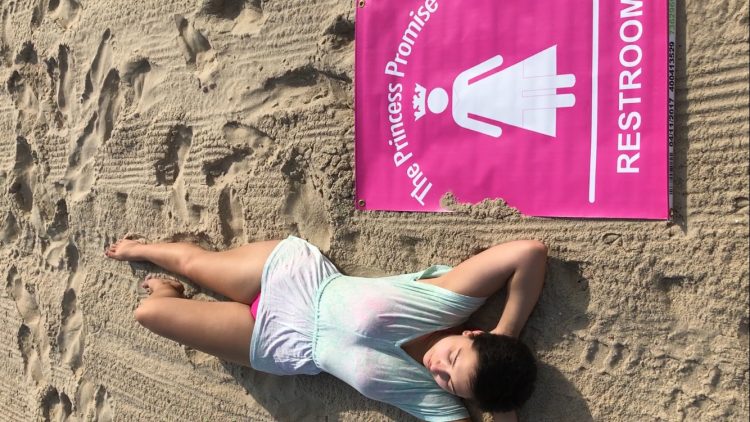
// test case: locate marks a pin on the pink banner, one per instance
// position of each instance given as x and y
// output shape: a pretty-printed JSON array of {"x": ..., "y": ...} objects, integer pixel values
[{"x": 558, "y": 107}]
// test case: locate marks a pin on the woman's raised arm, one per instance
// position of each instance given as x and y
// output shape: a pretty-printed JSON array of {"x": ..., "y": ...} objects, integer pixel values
[{"x": 520, "y": 264}]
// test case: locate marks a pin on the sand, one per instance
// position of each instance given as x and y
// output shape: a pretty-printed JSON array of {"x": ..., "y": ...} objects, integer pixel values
[{"x": 227, "y": 122}]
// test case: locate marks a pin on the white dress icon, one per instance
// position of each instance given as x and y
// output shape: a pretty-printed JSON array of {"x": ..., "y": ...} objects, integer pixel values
[{"x": 523, "y": 95}]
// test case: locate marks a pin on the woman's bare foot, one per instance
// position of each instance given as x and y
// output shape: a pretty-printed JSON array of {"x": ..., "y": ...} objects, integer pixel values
[
  {"x": 157, "y": 286},
  {"x": 124, "y": 250}
]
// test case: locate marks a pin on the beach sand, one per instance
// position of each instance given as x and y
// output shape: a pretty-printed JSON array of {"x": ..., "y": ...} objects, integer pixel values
[{"x": 225, "y": 122}]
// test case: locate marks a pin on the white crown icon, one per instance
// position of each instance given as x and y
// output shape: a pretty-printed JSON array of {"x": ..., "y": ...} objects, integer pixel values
[{"x": 418, "y": 101}]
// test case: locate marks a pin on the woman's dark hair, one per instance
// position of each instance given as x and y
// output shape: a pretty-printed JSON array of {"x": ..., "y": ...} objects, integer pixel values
[{"x": 505, "y": 373}]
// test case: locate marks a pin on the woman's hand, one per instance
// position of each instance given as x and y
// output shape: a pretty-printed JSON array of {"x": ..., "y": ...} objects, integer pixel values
[{"x": 501, "y": 332}]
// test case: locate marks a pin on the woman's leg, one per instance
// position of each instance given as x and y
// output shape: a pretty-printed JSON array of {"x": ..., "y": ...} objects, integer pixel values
[
  {"x": 222, "y": 329},
  {"x": 234, "y": 273}
]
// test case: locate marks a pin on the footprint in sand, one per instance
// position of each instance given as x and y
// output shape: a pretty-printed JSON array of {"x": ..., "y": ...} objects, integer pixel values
[
  {"x": 71, "y": 332},
  {"x": 603, "y": 357},
  {"x": 257, "y": 143},
  {"x": 23, "y": 295},
  {"x": 99, "y": 66},
  {"x": 80, "y": 175},
  {"x": 246, "y": 17},
  {"x": 58, "y": 69},
  {"x": 177, "y": 146},
  {"x": 22, "y": 87},
  {"x": 303, "y": 86},
  {"x": 8, "y": 9},
  {"x": 191, "y": 40},
  {"x": 32, "y": 366},
  {"x": 109, "y": 105},
  {"x": 65, "y": 82},
  {"x": 58, "y": 227},
  {"x": 32, "y": 341},
  {"x": 249, "y": 146},
  {"x": 306, "y": 209},
  {"x": 250, "y": 21},
  {"x": 37, "y": 14},
  {"x": 92, "y": 402},
  {"x": 230, "y": 164},
  {"x": 71, "y": 337},
  {"x": 57, "y": 233},
  {"x": 64, "y": 12},
  {"x": 26, "y": 101},
  {"x": 198, "y": 53},
  {"x": 244, "y": 141},
  {"x": 168, "y": 169},
  {"x": 134, "y": 76},
  {"x": 231, "y": 216},
  {"x": 55, "y": 406},
  {"x": 27, "y": 54},
  {"x": 21, "y": 185},
  {"x": 9, "y": 230},
  {"x": 224, "y": 9},
  {"x": 340, "y": 33}
]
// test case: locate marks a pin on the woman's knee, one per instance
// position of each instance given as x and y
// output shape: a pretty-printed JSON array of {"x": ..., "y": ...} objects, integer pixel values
[
  {"x": 535, "y": 249},
  {"x": 190, "y": 261},
  {"x": 146, "y": 312}
]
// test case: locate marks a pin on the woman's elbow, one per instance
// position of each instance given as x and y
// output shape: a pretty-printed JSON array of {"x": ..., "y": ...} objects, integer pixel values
[
  {"x": 536, "y": 259},
  {"x": 536, "y": 249}
]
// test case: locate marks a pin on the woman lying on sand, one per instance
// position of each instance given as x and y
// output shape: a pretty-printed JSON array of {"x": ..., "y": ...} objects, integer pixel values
[{"x": 397, "y": 339}]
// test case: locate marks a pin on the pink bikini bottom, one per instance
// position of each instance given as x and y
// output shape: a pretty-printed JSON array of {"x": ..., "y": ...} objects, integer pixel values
[{"x": 254, "y": 307}]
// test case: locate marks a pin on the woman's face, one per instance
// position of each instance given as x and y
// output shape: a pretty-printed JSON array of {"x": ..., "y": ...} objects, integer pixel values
[{"x": 452, "y": 362}]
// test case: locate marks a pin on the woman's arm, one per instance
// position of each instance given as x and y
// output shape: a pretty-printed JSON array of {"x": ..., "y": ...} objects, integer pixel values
[
  {"x": 520, "y": 264},
  {"x": 524, "y": 288}
]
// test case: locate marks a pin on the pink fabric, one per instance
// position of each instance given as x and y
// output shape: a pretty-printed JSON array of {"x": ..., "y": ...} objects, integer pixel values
[
  {"x": 539, "y": 174},
  {"x": 254, "y": 307}
]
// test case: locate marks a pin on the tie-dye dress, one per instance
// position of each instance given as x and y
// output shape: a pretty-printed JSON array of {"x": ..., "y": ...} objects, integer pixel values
[{"x": 356, "y": 329}]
